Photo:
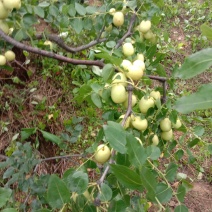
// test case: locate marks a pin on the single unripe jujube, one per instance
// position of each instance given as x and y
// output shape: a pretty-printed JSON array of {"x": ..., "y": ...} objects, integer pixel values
[
  {"x": 10, "y": 55},
  {"x": 167, "y": 135},
  {"x": 165, "y": 125},
  {"x": 102, "y": 153},
  {"x": 112, "y": 11},
  {"x": 155, "y": 140},
  {"x": 3, "y": 11},
  {"x": 10, "y": 4},
  {"x": 148, "y": 35},
  {"x": 145, "y": 103},
  {"x": 126, "y": 64},
  {"x": 128, "y": 49},
  {"x": 138, "y": 123},
  {"x": 3, "y": 60},
  {"x": 4, "y": 27},
  {"x": 177, "y": 125},
  {"x": 140, "y": 57},
  {"x": 118, "y": 93},
  {"x": 155, "y": 94},
  {"x": 145, "y": 26},
  {"x": 118, "y": 19},
  {"x": 135, "y": 72},
  {"x": 139, "y": 63}
]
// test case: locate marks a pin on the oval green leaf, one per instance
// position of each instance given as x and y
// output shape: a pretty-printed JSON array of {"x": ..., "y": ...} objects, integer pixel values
[
  {"x": 195, "y": 64},
  {"x": 200, "y": 100}
]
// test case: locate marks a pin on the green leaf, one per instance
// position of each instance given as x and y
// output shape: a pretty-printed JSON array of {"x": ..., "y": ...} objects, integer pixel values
[
  {"x": 91, "y": 9},
  {"x": 195, "y": 64},
  {"x": 179, "y": 154},
  {"x": 77, "y": 24},
  {"x": 29, "y": 19},
  {"x": 20, "y": 35},
  {"x": 111, "y": 44},
  {"x": 122, "y": 159},
  {"x": 181, "y": 191},
  {"x": 109, "y": 58},
  {"x": 116, "y": 136},
  {"x": 181, "y": 208},
  {"x": 199, "y": 130},
  {"x": 27, "y": 132},
  {"x": 149, "y": 181},
  {"x": 44, "y": 4},
  {"x": 53, "y": 138},
  {"x": 80, "y": 9},
  {"x": 200, "y": 100},
  {"x": 9, "y": 210},
  {"x": 129, "y": 178},
  {"x": 153, "y": 152},
  {"x": 9, "y": 172},
  {"x": 5, "y": 194},
  {"x": 210, "y": 148},
  {"x": 117, "y": 206},
  {"x": 163, "y": 193},
  {"x": 96, "y": 100},
  {"x": 77, "y": 181},
  {"x": 54, "y": 11},
  {"x": 136, "y": 151},
  {"x": 171, "y": 172},
  {"x": 71, "y": 11},
  {"x": 106, "y": 193},
  {"x": 206, "y": 31},
  {"x": 107, "y": 72},
  {"x": 83, "y": 93},
  {"x": 193, "y": 142},
  {"x": 57, "y": 192},
  {"x": 39, "y": 11}
]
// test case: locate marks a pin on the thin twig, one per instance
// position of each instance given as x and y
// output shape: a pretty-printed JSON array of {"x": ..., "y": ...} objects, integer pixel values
[
  {"x": 61, "y": 157},
  {"x": 19, "y": 64},
  {"x": 59, "y": 41},
  {"x": 49, "y": 54}
]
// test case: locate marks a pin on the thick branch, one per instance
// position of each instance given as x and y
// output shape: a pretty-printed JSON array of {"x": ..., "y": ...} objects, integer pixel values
[
  {"x": 49, "y": 54},
  {"x": 59, "y": 41}
]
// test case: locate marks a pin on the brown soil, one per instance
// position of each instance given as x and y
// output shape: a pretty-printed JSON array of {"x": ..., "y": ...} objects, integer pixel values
[{"x": 199, "y": 199}]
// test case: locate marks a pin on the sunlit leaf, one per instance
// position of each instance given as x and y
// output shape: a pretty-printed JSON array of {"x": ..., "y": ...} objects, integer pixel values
[
  {"x": 116, "y": 136},
  {"x": 136, "y": 151},
  {"x": 171, "y": 172},
  {"x": 200, "y": 100},
  {"x": 53, "y": 138},
  {"x": 77, "y": 181},
  {"x": 206, "y": 31},
  {"x": 181, "y": 191},
  {"x": 5, "y": 194},
  {"x": 27, "y": 132},
  {"x": 195, "y": 64},
  {"x": 57, "y": 192},
  {"x": 127, "y": 177},
  {"x": 80, "y": 9},
  {"x": 149, "y": 182},
  {"x": 163, "y": 193},
  {"x": 106, "y": 193},
  {"x": 96, "y": 100}
]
